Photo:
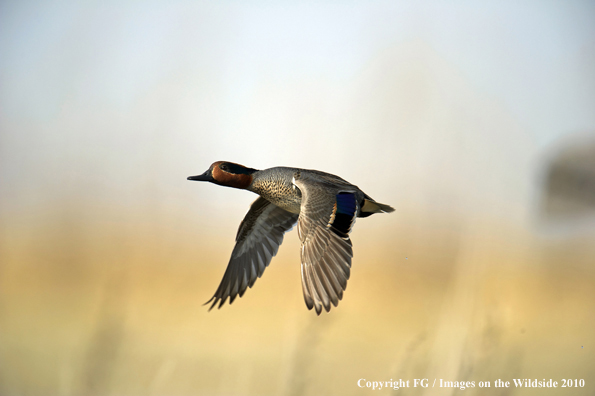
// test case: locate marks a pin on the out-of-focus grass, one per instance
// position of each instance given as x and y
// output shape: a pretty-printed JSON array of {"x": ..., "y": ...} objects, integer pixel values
[{"x": 110, "y": 310}]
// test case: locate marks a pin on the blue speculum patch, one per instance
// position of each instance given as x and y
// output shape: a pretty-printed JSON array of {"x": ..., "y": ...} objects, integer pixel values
[
  {"x": 346, "y": 211},
  {"x": 346, "y": 203}
]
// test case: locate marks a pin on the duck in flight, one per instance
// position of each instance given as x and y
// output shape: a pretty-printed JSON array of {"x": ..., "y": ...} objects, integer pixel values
[{"x": 323, "y": 205}]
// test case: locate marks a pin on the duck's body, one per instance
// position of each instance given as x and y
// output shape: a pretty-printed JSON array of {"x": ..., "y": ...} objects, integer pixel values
[{"x": 324, "y": 206}]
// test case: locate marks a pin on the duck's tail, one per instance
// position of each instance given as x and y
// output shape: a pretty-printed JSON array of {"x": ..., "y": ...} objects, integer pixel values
[{"x": 370, "y": 207}]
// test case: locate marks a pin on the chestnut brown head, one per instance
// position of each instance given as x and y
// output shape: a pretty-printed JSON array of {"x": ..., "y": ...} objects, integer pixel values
[{"x": 227, "y": 174}]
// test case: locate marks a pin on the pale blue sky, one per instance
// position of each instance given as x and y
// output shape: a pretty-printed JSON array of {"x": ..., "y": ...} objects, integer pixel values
[
  {"x": 537, "y": 57},
  {"x": 121, "y": 95}
]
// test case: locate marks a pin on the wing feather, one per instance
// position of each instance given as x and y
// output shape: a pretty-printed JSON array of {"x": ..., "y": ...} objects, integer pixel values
[
  {"x": 257, "y": 241},
  {"x": 326, "y": 251}
]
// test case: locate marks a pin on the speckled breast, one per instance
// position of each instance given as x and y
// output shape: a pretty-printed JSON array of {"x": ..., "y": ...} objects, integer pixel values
[{"x": 275, "y": 186}]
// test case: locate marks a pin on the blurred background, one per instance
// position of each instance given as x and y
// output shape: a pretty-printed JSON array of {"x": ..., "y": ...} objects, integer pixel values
[{"x": 474, "y": 120}]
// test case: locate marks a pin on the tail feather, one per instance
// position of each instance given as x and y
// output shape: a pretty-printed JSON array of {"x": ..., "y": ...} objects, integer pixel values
[{"x": 370, "y": 206}]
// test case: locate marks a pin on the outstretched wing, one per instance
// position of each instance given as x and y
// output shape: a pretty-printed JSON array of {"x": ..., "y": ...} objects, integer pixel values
[
  {"x": 257, "y": 241},
  {"x": 326, "y": 218}
]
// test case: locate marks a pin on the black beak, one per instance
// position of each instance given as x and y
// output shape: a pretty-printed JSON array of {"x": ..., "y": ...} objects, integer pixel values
[{"x": 204, "y": 177}]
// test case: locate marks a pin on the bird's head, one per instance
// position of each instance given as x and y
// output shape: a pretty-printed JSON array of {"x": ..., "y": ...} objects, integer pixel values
[{"x": 227, "y": 174}]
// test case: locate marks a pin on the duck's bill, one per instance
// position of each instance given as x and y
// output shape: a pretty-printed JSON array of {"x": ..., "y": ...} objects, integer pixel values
[{"x": 204, "y": 177}]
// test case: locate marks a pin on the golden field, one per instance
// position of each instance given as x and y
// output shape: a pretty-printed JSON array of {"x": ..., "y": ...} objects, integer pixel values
[{"x": 112, "y": 309}]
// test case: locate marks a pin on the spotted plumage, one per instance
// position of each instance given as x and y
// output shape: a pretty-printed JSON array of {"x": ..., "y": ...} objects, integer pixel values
[{"x": 324, "y": 206}]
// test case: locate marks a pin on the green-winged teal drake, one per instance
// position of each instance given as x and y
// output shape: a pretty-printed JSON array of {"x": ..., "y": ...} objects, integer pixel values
[{"x": 324, "y": 207}]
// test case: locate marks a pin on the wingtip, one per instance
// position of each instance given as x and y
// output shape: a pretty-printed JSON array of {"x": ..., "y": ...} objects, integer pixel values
[
  {"x": 212, "y": 305},
  {"x": 221, "y": 302},
  {"x": 318, "y": 308},
  {"x": 313, "y": 306}
]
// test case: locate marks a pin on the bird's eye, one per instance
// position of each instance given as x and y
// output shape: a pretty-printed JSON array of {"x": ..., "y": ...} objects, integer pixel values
[{"x": 224, "y": 167}]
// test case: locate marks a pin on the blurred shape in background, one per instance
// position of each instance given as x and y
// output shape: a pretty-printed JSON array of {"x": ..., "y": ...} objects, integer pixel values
[{"x": 568, "y": 191}]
